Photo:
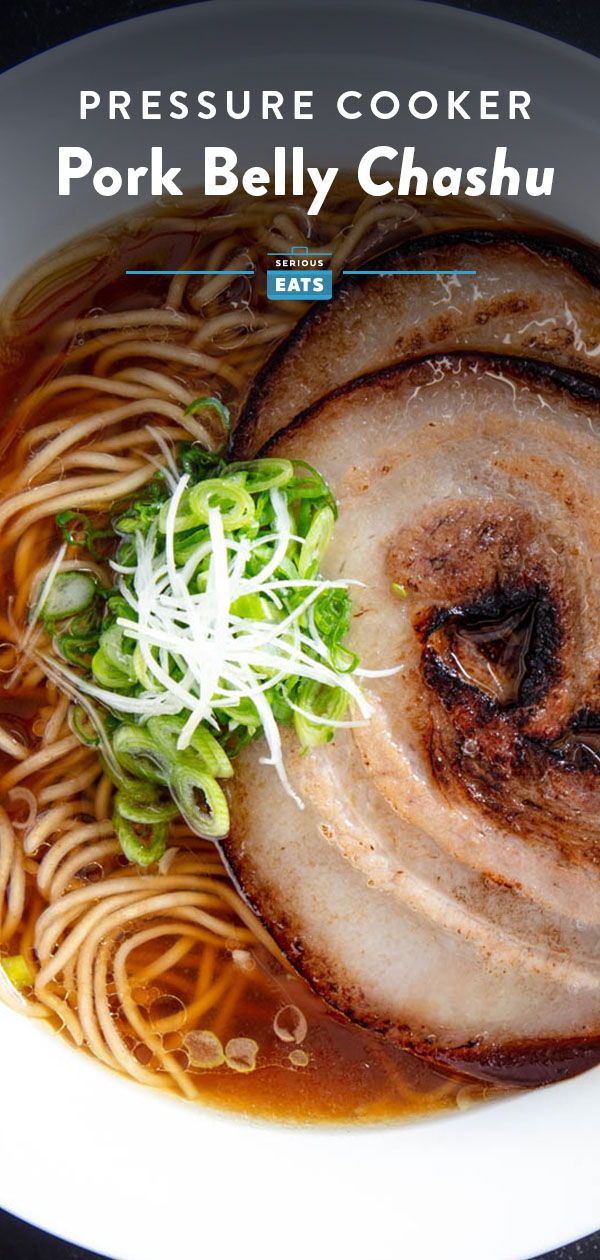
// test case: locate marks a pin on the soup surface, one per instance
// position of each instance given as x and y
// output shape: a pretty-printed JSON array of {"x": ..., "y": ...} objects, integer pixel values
[{"x": 162, "y": 973}]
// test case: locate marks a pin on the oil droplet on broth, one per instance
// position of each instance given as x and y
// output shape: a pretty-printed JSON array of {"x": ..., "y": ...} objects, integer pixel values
[
  {"x": 240, "y": 1054},
  {"x": 299, "y": 1058},
  {"x": 290, "y": 1024},
  {"x": 204, "y": 1048}
]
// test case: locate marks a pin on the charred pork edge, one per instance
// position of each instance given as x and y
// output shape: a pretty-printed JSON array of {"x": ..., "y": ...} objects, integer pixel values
[
  {"x": 581, "y": 386},
  {"x": 511, "y": 1063},
  {"x": 583, "y": 258}
]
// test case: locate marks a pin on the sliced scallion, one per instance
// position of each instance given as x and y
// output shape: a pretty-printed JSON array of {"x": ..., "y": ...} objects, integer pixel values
[
  {"x": 214, "y": 408},
  {"x": 166, "y": 731},
  {"x": 112, "y": 664},
  {"x": 209, "y": 816},
  {"x": 136, "y": 751},
  {"x": 71, "y": 592},
  {"x": 18, "y": 971},
  {"x": 259, "y": 475},
  {"x": 316, "y": 542},
  {"x": 83, "y": 727},
  {"x": 233, "y": 501},
  {"x": 320, "y": 706},
  {"x": 135, "y": 809},
  {"x": 143, "y": 850}
]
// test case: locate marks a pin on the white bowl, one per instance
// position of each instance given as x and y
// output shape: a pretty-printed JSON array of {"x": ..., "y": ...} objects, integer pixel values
[{"x": 84, "y": 1153}]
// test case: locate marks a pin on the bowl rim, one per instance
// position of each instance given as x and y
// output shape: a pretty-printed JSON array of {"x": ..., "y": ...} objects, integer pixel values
[{"x": 533, "y": 1156}]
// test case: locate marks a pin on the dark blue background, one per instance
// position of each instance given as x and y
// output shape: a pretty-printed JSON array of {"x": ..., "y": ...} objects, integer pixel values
[{"x": 30, "y": 27}]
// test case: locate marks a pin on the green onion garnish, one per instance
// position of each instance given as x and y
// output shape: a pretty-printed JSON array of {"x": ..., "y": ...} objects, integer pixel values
[
  {"x": 220, "y": 627},
  {"x": 71, "y": 592},
  {"x": 18, "y": 971}
]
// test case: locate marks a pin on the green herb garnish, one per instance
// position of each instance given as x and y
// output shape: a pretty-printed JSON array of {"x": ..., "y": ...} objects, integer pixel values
[{"x": 220, "y": 627}]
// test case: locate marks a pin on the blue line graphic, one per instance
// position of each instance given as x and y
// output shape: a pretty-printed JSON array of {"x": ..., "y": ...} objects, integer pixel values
[
  {"x": 189, "y": 273},
  {"x": 376, "y": 272}
]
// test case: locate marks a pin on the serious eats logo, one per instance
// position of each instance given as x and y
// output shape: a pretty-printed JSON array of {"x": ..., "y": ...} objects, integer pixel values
[{"x": 300, "y": 273}]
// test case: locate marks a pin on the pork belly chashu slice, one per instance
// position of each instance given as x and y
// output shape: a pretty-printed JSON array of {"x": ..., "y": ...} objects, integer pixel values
[
  {"x": 533, "y": 296},
  {"x": 442, "y": 883}
]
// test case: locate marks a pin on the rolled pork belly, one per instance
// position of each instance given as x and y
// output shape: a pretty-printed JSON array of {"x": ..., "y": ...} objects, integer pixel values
[
  {"x": 535, "y": 296},
  {"x": 442, "y": 883}
]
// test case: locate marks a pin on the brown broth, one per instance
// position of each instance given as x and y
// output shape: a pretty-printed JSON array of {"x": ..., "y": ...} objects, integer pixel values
[{"x": 350, "y": 1074}]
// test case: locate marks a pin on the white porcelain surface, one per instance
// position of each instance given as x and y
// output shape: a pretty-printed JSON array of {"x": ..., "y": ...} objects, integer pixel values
[{"x": 84, "y": 1153}]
